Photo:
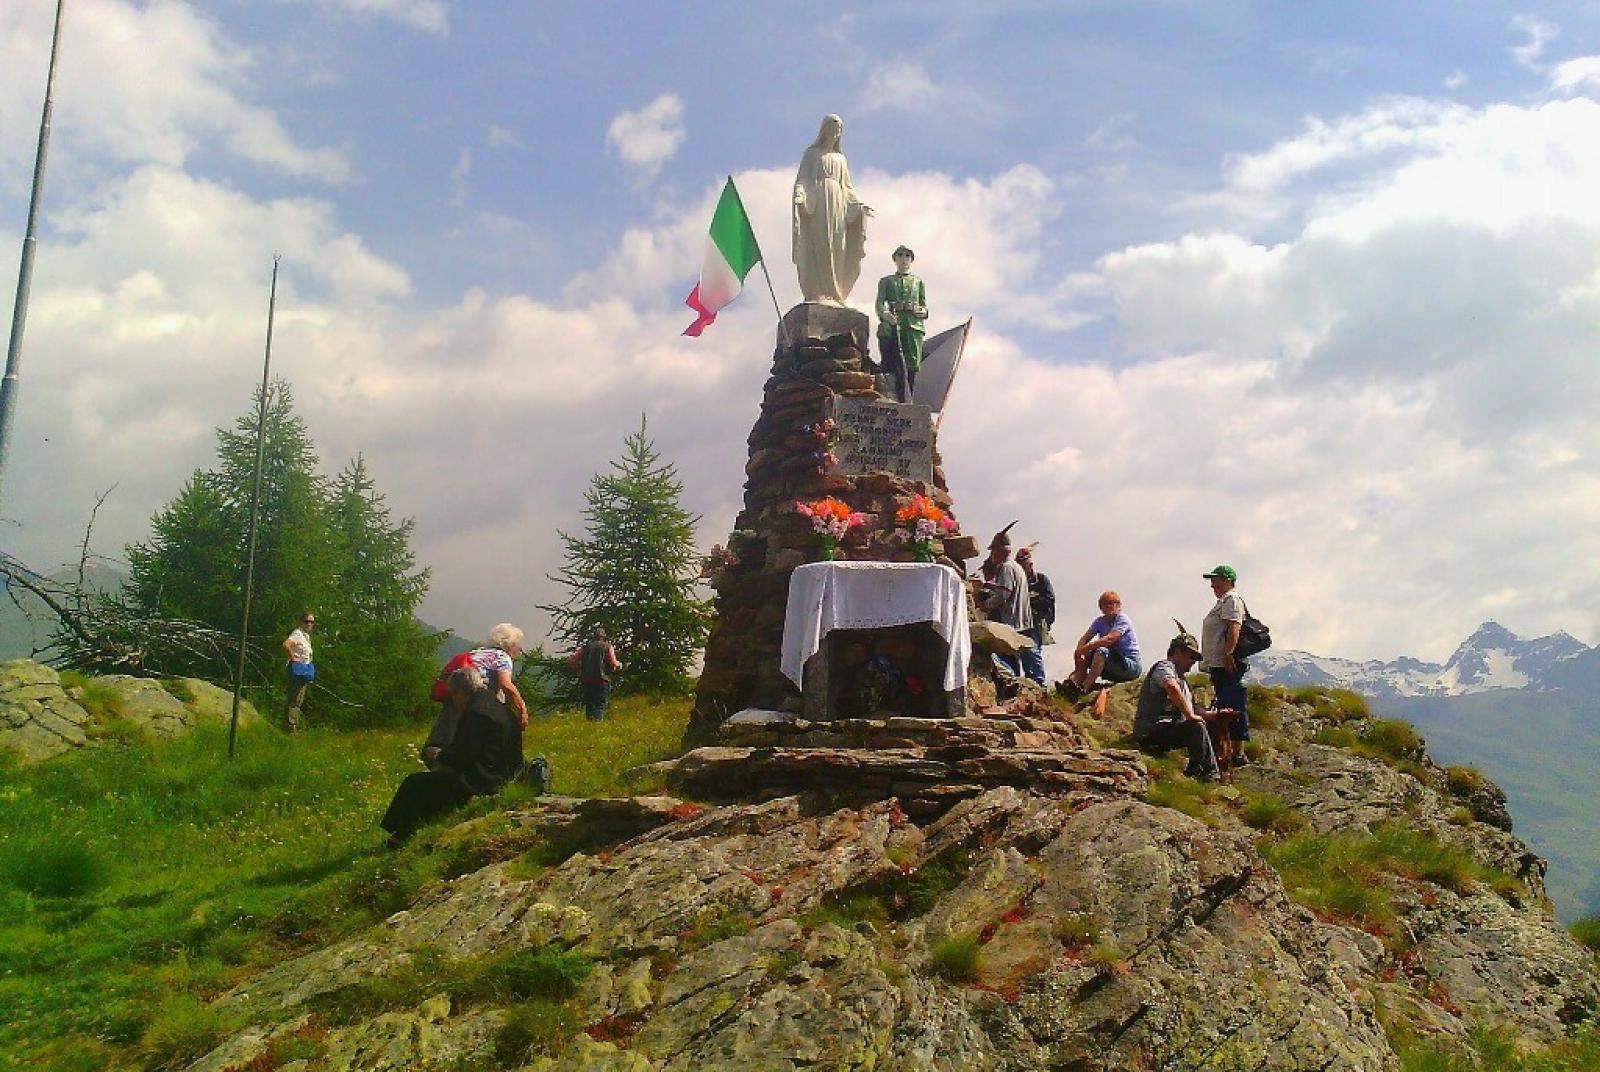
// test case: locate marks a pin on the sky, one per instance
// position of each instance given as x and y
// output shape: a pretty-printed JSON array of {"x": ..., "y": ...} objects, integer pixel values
[{"x": 1313, "y": 290}]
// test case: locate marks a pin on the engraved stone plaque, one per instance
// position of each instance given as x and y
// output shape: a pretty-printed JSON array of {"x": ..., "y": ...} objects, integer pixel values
[{"x": 884, "y": 437}]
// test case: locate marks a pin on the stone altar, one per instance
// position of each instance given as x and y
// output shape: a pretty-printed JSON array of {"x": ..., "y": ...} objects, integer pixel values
[{"x": 817, "y": 364}]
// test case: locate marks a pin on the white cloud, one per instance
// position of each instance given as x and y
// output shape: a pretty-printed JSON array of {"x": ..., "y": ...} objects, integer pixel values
[
  {"x": 1111, "y": 133},
  {"x": 1581, "y": 74},
  {"x": 1539, "y": 35},
  {"x": 429, "y": 15},
  {"x": 649, "y": 137},
  {"x": 899, "y": 85},
  {"x": 503, "y": 137},
  {"x": 1397, "y": 124},
  {"x": 458, "y": 176},
  {"x": 143, "y": 84},
  {"x": 1456, "y": 79}
]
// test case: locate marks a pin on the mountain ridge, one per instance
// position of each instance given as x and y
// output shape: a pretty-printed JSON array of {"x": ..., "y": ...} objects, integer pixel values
[
  {"x": 1525, "y": 712},
  {"x": 1492, "y": 657}
]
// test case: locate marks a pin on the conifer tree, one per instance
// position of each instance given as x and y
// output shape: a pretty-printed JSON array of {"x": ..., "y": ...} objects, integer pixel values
[
  {"x": 329, "y": 547},
  {"x": 634, "y": 570}
]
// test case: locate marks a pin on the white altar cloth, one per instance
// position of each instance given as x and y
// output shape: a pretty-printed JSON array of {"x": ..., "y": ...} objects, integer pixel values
[{"x": 825, "y": 596}]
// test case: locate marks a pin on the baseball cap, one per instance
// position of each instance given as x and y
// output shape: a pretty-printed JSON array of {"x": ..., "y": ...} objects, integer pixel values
[{"x": 1227, "y": 573}]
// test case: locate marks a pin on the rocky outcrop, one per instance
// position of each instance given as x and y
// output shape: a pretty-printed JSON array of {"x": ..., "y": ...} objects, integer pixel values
[
  {"x": 819, "y": 359},
  {"x": 39, "y": 718},
  {"x": 1051, "y": 911},
  {"x": 1102, "y": 934}
]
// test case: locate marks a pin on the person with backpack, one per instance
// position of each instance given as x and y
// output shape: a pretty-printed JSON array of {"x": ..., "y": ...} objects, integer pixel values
[
  {"x": 497, "y": 659},
  {"x": 1219, "y": 643},
  {"x": 594, "y": 662},
  {"x": 484, "y": 755}
]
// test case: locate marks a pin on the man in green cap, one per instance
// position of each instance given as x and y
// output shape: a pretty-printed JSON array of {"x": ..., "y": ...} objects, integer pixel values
[
  {"x": 1219, "y": 635},
  {"x": 902, "y": 308}
]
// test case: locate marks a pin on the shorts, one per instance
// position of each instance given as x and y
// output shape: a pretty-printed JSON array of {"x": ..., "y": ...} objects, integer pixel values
[{"x": 1119, "y": 667}]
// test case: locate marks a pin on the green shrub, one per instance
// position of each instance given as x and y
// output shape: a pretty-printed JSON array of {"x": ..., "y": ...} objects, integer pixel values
[
  {"x": 64, "y": 869},
  {"x": 1463, "y": 781},
  {"x": 533, "y": 1029},
  {"x": 181, "y": 1030},
  {"x": 1390, "y": 739},
  {"x": 1490, "y": 1050},
  {"x": 1264, "y": 716},
  {"x": 1184, "y": 794},
  {"x": 1334, "y": 876},
  {"x": 1336, "y": 737},
  {"x": 179, "y": 689},
  {"x": 956, "y": 958},
  {"x": 1336, "y": 705},
  {"x": 1342, "y": 875},
  {"x": 1410, "y": 852},
  {"x": 1076, "y": 930},
  {"x": 1587, "y": 932},
  {"x": 100, "y": 701},
  {"x": 1271, "y": 813},
  {"x": 846, "y": 913},
  {"x": 714, "y": 925},
  {"x": 933, "y": 880},
  {"x": 518, "y": 975},
  {"x": 1108, "y": 958}
]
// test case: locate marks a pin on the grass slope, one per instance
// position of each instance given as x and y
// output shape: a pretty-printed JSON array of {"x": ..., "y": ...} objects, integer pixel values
[{"x": 140, "y": 880}]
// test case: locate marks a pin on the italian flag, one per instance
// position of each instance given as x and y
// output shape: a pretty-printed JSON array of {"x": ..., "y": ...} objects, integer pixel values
[{"x": 731, "y": 252}]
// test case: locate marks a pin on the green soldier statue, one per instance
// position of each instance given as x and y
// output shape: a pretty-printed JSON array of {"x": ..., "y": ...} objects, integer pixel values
[{"x": 902, "y": 309}]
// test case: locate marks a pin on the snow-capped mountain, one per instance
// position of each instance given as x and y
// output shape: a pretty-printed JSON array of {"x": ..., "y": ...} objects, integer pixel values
[{"x": 1491, "y": 658}]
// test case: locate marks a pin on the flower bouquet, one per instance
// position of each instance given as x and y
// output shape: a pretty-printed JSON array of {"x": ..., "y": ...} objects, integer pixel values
[
  {"x": 823, "y": 435},
  {"x": 831, "y": 519},
  {"x": 714, "y": 566},
  {"x": 925, "y": 522}
]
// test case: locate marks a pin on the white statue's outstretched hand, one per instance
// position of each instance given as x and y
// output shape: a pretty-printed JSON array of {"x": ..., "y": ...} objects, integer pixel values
[{"x": 800, "y": 201}]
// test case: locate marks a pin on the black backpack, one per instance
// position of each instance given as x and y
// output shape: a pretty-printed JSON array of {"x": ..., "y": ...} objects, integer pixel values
[
  {"x": 537, "y": 773},
  {"x": 1254, "y": 636}
]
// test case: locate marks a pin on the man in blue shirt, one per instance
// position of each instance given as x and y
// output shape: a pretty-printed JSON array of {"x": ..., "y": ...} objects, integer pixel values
[{"x": 1108, "y": 649}]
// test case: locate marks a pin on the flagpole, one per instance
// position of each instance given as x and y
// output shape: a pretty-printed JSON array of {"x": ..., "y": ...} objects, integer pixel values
[
  {"x": 30, "y": 241},
  {"x": 761, "y": 258},
  {"x": 255, "y": 508}
]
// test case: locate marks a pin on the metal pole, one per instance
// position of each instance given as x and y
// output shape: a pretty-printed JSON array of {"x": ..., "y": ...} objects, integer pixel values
[
  {"x": 761, "y": 258},
  {"x": 255, "y": 510},
  {"x": 19, "y": 315}
]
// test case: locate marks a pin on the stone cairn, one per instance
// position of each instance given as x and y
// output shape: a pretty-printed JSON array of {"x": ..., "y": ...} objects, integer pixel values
[
  {"x": 818, "y": 359},
  {"x": 946, "y": 749}
]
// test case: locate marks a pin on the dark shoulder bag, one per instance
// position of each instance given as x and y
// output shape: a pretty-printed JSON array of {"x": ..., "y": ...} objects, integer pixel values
[{"x": 1254, "y": 636}]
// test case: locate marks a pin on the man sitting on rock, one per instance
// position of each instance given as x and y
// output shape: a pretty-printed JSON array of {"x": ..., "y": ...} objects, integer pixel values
[{"x": 1167, "y": 717}]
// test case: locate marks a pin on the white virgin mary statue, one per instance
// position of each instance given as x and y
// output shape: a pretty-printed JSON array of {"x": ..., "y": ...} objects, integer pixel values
[{"x": 830, "y": 222}]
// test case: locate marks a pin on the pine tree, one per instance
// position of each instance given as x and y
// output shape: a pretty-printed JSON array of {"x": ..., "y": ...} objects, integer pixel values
[
  {"x": 324, "y": 546},
  {"x": 633, "y": 572},
  {"x": 383, "y": 652}
]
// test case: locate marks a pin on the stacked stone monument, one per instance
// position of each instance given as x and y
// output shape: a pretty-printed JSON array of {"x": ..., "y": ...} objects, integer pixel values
[{"x": 876, "y": 456}]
